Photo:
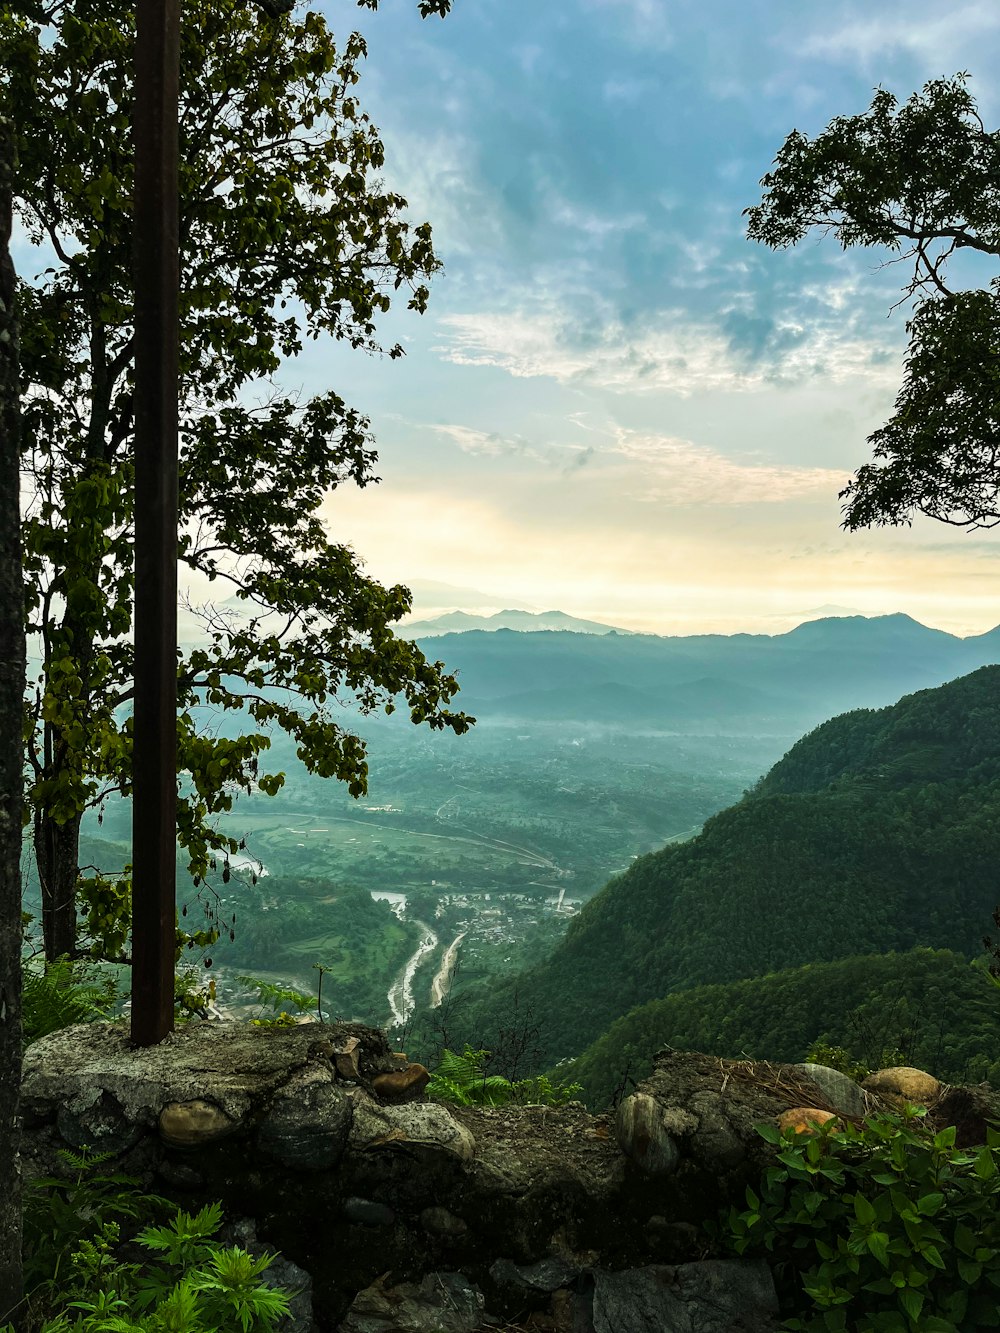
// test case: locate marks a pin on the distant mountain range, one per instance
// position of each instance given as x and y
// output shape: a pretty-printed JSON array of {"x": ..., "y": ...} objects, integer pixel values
[
  {"x": 781, "y": 683},
  {"x": 877, "y": 832},
  {"x": 458, "y": 622}
]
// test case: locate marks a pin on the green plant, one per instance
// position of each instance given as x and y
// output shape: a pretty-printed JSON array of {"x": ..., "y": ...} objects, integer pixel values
[
  {"x": 63, "y": 1212},
  {"x": 193, "y": 1285},
  {"x": 884, "y": 1229},
  {"x": 836, "y": 1057},
  {"x": 63, "y": 993},
  {"x": 284, "y": 1000},
  {"x": 463, "y": 1079}
]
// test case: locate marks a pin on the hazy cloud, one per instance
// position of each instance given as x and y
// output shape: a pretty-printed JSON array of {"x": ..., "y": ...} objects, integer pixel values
[
  {"x": 936, "y": 35},
  {"x": 644, "y": 21},
  {"x": 675, "y": 356},
  {"x": 681, "y": 472}
]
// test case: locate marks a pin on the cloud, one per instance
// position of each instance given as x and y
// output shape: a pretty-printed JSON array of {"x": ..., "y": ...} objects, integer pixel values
[
  {"x": 679, "y": 472},
  {"x": 673, "y": 355},
  {"x": 940, "y": 35},
  {"x": 488, "y": 443},
  {"x": 645, "y": 21}
]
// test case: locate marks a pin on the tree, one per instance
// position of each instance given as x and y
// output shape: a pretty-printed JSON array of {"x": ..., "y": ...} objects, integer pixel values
[
  {"x": 286, "y": 233},
  {"x": 11, "y": 720},
  {"x": 923, "y": 180}
]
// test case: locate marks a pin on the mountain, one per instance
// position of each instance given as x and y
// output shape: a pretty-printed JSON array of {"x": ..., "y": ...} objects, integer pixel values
[
  {"x": 879, "y": 831},
  {"x": 458, "y": 622},
  {"x": 782, "y": 683}
]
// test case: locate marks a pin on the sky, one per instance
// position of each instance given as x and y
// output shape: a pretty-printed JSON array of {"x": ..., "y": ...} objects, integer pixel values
[{"x": 617, "y": 405}]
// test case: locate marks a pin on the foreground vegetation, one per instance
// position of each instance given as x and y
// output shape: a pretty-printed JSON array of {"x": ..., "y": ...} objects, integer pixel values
[{"x": 887, "y": 1228}]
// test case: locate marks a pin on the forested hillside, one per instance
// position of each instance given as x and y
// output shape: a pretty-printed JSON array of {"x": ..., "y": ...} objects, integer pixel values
[
  {"x": 931, "y": 1008},
  {"x": 877, "y": 832}
]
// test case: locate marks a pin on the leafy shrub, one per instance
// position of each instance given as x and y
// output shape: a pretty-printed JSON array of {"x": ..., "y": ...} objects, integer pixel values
[
  {"x": 63, "y": 993},
  {"x": 61, "y": 1211},
  {"x": 885, "y": 1229},
  {"x": 285, "y": 1002},
  {"x": 463, "y": 1079},
  {"x": 836, "y": 1057},
  {"x": 78, "y": 1280}
]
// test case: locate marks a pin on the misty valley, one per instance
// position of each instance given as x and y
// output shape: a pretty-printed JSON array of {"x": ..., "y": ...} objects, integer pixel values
[{"x": 451, "y": 902}]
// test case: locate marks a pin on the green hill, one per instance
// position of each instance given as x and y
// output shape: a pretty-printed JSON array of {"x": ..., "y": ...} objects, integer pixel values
[
  {"x": 931, "y": 1006},
  {"x": 879, "y": 831}
]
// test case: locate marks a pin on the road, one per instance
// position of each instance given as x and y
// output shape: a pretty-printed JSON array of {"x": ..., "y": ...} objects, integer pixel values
[{"x": 439, "y": 986}]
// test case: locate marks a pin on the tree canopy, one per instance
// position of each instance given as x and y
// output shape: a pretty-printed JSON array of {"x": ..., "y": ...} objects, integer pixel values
[
  {"x": 921, "y": 179},
  {"x": 286, "y": 233}
]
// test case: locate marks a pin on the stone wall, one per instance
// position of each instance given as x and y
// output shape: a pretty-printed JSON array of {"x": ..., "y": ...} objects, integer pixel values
[{"x": 413, "y": 1215}]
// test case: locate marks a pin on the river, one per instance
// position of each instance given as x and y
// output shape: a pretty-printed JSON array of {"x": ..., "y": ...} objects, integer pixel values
[{"x": 401, "y": 991}]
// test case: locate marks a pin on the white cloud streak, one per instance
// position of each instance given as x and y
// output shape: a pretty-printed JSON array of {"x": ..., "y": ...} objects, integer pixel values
[
  {"x": 939, "y": 34},
  {"x": 676, "y": 357},
  {"x": 678, "y": 472}
]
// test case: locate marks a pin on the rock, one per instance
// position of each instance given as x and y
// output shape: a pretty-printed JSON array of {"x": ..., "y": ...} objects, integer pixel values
[
  {"x": 441, "y": 1303},
  {"x": 841, "y": 1091},
  {"x": 545, "y": 1276},
  {"x": 345, "y": 1058},
  {"x": 94, "y": 1119},
  {"x": 194, "y": 1123},
  {"x": 180, "y": 1175},
  {"x": 804, "y": 1119},
  {"x": 401, "y": 1085},
  {"x": 308, "y": 1123},
  {"x": 441, "y": 1222},
  {"x": 903, "y": 1085},
  {"x": 713, "y": 1296},
  {"x": 234, "y": 1065},
  {"x": 643, "y": 1137},
  {"x": 368, "y": 1212},
  {"x": 970, "y": 1110},
  {"x": 281, "y": 1272},
  {"x": 424, "y": 1128}
]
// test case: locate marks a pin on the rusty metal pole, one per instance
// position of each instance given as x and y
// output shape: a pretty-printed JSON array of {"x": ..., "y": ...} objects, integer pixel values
[{"x": 156, "y": 267}]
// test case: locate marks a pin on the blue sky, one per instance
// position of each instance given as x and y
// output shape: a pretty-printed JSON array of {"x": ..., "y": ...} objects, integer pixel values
[{"x": 616, "y": 404}]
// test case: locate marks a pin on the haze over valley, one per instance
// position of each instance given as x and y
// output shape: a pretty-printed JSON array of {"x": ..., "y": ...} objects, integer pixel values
[{"x": 470, "y": 858}]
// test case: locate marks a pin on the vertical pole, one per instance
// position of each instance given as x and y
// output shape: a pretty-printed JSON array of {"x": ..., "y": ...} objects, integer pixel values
[{"x": 154, "y": 800}]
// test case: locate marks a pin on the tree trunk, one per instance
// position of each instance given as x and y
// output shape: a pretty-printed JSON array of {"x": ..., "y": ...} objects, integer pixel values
[
  {"x": 11, "y": 750},
  {"x": 57, "y": 854}
]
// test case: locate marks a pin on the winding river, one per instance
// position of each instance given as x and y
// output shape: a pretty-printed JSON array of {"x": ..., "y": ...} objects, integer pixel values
[{"x": 401, "y": 990}]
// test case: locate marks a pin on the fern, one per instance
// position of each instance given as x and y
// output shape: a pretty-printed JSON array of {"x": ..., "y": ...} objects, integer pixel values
[
  {"x": 278, "y": 998},
  {"x": 64, "y": 993},
  {"x": 463, "y": 1079}
]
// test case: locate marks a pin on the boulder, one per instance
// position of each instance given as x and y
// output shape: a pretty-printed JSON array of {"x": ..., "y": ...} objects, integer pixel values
[
  {"x": 193, "y": 1124},
  {"x": 440, "y": 1303},
  {"x": 401, "y": 1085},
  {"x": 643, "y": 1136},
  {"x": 902, "y": 1085},
  {"x": 308, "y": 1123},
  {"x": 714, "y": 1296},
  {"x": 971, "y": 1110},
  {"x": 840, "y": 1091},
  {"x": 424, "y": 1130},
  {"x": 804, "y": 1119}
]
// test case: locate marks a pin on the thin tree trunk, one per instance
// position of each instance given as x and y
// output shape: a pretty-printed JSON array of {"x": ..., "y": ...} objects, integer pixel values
[
  {"x": 11, "y": 750},
  {"x": 57, "y": 855}
]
